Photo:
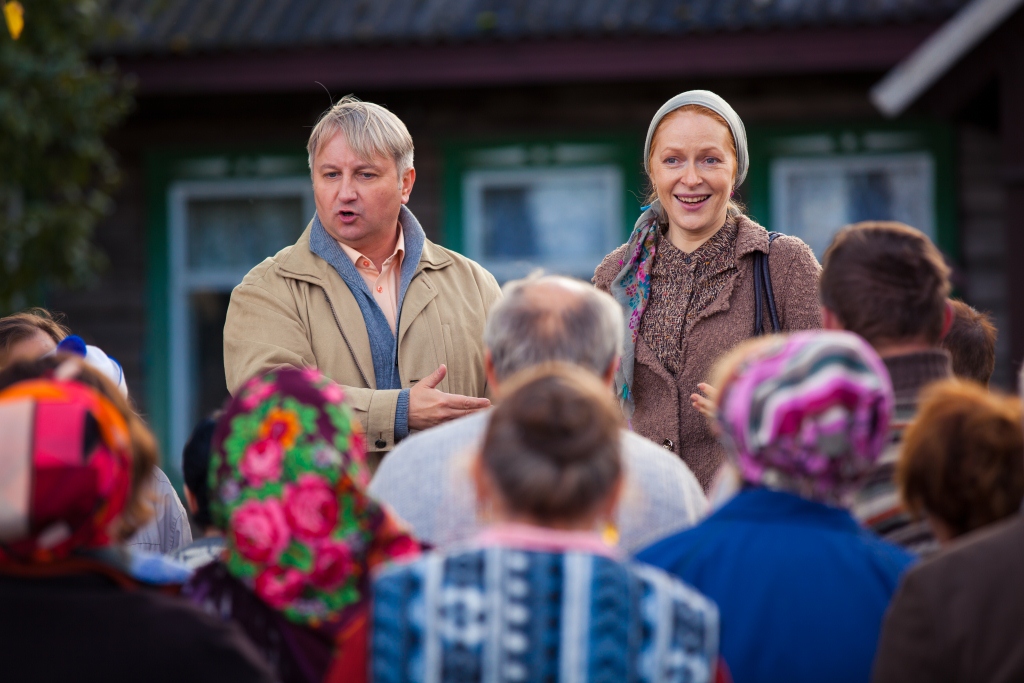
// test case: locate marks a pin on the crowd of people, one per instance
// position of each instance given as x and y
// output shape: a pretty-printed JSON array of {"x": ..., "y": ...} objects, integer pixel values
[{"x": 720, "y": 461}]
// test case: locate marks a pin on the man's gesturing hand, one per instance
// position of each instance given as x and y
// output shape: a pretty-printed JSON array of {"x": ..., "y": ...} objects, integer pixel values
[{"x": 429, "y": 406}]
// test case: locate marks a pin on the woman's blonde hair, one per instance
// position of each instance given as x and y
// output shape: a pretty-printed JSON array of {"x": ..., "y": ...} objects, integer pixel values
[
  {"x": 735, "y": 207},
  {"x": 370, "y": 129}
]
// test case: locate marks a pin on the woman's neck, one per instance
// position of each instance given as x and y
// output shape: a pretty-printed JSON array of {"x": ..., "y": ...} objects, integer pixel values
[{"x": 689, "y": 241}]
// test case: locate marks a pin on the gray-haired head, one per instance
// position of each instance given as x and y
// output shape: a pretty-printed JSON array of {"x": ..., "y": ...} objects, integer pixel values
[
  {"x": 550, "y": 318},
  {"x": 370, "y": 130},
  {"x": 707, "y": 100}
]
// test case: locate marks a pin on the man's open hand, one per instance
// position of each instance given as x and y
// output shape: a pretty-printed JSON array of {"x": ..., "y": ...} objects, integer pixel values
[{"x": 429, "y": 406}]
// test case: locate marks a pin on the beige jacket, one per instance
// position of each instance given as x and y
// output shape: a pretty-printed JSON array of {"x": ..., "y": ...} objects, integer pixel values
[
  {"x": 663, "y": 411},
  {"x": 295, "y": 310}
]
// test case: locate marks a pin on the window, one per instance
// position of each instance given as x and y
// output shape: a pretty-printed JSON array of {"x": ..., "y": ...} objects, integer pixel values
[
  {"x": 812, "y": 183},
  {"x": 813, "y": 198},
  {"x": 557, "y": 206},
  {"x": 218, "y": 230}
]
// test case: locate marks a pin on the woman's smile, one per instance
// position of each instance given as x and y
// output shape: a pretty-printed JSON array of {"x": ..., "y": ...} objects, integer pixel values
[{"x": 693, "y": 202}]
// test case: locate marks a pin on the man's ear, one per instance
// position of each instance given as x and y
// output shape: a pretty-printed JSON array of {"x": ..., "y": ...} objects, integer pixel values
[
  {"x": 408, "y": 179},
  {"x": 609, "y": 373},
  {"x": 948, "y": 316},
  {"x": 829, "y": 320},
  {"x": 492, "y": 377},
  {"x": 190, "y": 500}
]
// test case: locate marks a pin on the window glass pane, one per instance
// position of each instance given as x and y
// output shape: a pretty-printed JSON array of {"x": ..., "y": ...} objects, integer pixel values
[
  {"x": 208, "y": 311},
  {"x": 562, "y": 220},
  {"x": 239, "y": 233},
  {"x": 812, "y": 198}
]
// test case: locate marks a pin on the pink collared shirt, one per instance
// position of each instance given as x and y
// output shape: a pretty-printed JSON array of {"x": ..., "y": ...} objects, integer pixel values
[{"x": 385, "y": 284}]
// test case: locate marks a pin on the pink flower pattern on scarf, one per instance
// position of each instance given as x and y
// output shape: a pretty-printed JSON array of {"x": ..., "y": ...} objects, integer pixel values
[{"x": 288, "y": 468}]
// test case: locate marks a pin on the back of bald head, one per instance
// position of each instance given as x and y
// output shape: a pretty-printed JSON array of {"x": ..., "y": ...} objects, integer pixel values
[{"x": 551, "y": 318}]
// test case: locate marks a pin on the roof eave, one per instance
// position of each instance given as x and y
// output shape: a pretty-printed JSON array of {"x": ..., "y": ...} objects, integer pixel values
[{"x": 913, "y": 76}]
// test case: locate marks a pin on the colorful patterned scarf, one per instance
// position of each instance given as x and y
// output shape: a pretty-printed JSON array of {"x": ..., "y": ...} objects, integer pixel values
[
  {"x": 807, "y": 413},
  {"x": 632, "y": 289},
  {"x": 287, "y": 483},
  {"x": 65, "y": 470}
]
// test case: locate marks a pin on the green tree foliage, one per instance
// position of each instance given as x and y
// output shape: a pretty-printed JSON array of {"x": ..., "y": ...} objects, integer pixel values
[{"x": 56, "y": 172}]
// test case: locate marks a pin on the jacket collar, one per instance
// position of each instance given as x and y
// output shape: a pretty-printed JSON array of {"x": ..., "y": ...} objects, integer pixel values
[
  {"x": 302, "y": 264},
  {"x": 910, "y": 372},
  {"x": 750, "y": 237},
  {"x": 759, "y": 504}
]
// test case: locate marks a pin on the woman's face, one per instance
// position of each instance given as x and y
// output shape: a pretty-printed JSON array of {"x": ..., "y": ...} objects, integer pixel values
[
  {"x": 693, "y": 169},
  {"x": 32, "y": 347}
]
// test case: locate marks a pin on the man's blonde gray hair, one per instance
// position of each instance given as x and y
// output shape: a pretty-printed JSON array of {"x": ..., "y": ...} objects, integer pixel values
[{"x": 370, "y": 129}]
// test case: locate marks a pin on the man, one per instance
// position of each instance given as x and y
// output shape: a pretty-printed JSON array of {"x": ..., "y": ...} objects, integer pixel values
[
  {"x": 888, "y": 283},
  {"x": 427, "y": 478},
  {"x": 959, "y": 616},
  {"x": 196, "y": 467},
  {"x": 363, "y": 295},
  {"x": 971, "y": 343}
]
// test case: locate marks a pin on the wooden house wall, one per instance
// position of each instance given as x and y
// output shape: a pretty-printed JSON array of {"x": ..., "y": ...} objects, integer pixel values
[{"x": 113, "y": 313}]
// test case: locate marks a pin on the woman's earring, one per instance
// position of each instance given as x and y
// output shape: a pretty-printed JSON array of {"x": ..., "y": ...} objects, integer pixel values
[{"x": 610, "y": 535}]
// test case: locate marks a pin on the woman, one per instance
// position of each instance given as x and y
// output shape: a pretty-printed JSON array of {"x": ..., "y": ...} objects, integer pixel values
[
  {"x": 686, "y": 276},
  {"x": 29, "y": 335},
  {"x": 539, "y": 595},
  {"x": 72, "y": 462},
  {"x": 287, "y": 485},
  {"x": 962, "y": 462},
  {"x": 802, "y": 588}
]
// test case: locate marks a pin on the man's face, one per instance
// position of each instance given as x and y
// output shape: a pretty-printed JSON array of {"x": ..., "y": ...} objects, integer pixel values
[{"x": 358, "y": 200}]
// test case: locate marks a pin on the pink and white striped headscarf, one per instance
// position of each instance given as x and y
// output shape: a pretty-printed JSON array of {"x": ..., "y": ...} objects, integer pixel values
[{"x": 808, "y": 413}]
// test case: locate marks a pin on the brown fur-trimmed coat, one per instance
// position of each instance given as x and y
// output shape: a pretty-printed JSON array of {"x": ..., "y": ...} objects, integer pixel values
[{"x": 663, "y": 410}]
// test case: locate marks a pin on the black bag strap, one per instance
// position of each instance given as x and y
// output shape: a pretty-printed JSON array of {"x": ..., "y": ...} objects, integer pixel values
[{"x": 763, "y": 290}]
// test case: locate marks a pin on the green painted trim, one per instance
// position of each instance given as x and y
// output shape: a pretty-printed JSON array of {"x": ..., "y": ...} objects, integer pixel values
[
  {"x": 928, "y": 136},
  {"x": 155, "y": 341},
  {"x": 163, "y": 168},
  {"x": 456, "y": 160}
]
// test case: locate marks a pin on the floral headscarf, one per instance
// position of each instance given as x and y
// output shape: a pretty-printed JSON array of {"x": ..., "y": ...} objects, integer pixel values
[
  {"x": 65, "y": 470},
  {"x": 807, "y": 413},
  {"x": 287, "y": 484}
]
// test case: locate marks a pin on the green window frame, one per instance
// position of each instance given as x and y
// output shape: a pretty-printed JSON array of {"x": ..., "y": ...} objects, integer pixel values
[
  {"x": 491, "y": 163},
  {"x": 169, "y": 174},
  {"x": 776, "y": 148}
]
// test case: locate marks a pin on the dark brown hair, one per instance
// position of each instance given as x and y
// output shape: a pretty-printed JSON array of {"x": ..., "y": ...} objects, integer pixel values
[
  {"x": 971, "y": 342},
  {"x": 552, "y": 444},
  {"x": 19, "y": 326},
  {"x": 886, "y": 282},
  {"x": 145, "y": 454},
  {"x": 962, "y": 459}
]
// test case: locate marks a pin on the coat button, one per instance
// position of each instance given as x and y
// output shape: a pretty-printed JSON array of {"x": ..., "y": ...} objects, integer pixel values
[
  {"x": 380, "y": 443},
  {"x": 669, "y": 444}
]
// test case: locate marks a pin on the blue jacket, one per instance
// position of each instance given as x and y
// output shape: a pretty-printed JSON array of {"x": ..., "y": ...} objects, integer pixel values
[{"x": 800, "y": 586}]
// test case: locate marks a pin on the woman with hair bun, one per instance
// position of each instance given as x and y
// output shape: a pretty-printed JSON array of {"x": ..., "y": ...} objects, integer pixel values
[
  {"x": 539, "y": 595},
  {"x": 697, "y": 276}
]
